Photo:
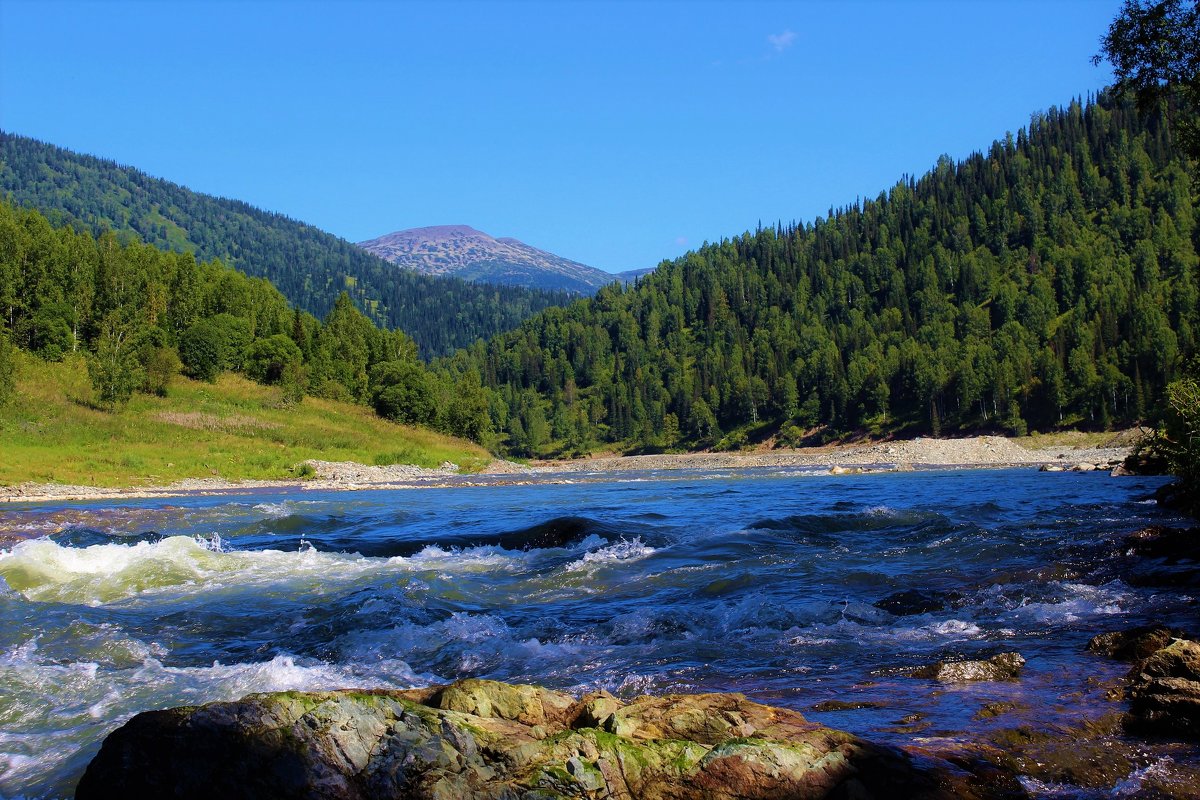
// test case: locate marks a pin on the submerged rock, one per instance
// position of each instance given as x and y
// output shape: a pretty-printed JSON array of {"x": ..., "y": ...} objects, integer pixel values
[
  {"x": 1165, "y": 557},
  {"x": 845, "y": 705},
  {"x": 1002, "y": 667},
  {"x": 1172, "y": 544},
  {"x": 993, "y": 710},
  {"x": 1080, "y": 759},
  {"x": 913, "y": 601},
  {"x": 482, "y": 739}
]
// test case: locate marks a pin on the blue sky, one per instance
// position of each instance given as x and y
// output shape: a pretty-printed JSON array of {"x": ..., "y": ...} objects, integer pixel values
[{"x": 617, "y": 134}]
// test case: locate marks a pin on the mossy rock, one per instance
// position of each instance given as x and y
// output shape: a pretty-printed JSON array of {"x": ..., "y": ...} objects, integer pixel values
[{"x": 484, "y": 739}]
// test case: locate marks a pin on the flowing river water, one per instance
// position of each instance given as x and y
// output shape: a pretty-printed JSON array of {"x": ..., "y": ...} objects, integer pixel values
[{"x": 759, "y": 581}]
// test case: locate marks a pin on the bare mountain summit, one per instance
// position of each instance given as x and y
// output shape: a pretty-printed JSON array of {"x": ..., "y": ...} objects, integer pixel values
[{"x": 464, "y": 252}]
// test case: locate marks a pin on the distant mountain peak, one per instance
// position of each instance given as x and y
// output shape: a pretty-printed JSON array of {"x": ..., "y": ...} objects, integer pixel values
[{"x": 464, "y": 252}]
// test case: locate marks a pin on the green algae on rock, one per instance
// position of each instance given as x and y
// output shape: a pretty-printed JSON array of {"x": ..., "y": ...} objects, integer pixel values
[{"x": 484, "y": 739}]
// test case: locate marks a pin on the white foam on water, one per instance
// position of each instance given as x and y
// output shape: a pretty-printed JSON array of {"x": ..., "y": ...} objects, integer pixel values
[
  {"x": 479, "y": 633},
  {"x": 1133, "y": 784},
  {"x": 52, "y": 712},
  {"x": 624, "y": 550},
  {"x": 213, "y": 542},
  {"x": 1050, "y": 791},
  {"x": 42, "y": 570},
  {"x": 283, "y": 508},
  {"x": 455, "y": 561},
  {"x": 949, "y": 630},
  {"x": 804, "y": 640},
  {"x": 1075, "y": 602}
]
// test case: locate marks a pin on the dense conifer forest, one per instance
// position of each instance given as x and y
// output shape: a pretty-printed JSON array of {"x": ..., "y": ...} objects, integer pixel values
[
  {"x": 310, "y": 267},
  {"x": 1051, "y": 281}
]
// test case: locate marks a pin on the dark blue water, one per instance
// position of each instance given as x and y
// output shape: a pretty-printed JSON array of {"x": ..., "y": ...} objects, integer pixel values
[{"x": 759, "y": 581}]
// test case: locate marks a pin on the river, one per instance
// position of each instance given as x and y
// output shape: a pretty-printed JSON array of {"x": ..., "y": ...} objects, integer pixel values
[{"x": 765, "y": 581}]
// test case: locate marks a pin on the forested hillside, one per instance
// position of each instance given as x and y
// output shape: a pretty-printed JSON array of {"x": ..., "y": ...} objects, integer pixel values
[
  {"x": 310, "y": 267},
  {"x": 140, "y": 315},
  {"x": 1051, "y": 281}
]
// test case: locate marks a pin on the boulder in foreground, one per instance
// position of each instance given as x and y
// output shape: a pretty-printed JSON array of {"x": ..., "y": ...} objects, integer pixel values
[{"x": 483, "y": 739}]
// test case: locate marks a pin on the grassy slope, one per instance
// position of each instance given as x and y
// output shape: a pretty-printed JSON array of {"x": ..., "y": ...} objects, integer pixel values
[{"x": 233, "y": 429}]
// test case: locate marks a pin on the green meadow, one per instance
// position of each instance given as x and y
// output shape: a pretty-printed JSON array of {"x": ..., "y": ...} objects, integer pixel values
[{"x": 52, "y": 431}]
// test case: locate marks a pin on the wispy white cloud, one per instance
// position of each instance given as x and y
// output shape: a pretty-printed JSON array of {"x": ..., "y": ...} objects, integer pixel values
[{"x": 781, "y": 41}]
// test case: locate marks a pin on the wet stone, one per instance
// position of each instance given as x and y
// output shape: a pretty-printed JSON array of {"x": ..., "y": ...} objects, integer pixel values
[
  {"x": 844, "y": 705},
  {"x": 420, "y": 744},
  {"x": 1164, "y": 692},
  {"x": 992, "y": 710},
  {"x": 1134, "y": 644},
  {"x": 913, "y": 601},
  {"x": 1002, "y": 667}
]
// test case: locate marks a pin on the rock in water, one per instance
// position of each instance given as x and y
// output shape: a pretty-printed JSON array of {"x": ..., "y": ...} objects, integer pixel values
[
  {"x": 1134, "y": 644},
  {"x": 913, "y": 601},
  {"x": 1165, "y": 557},
  {"x": 482, "y": 739},
  {"x": 1002, "y": 667},
  {"x": 1164, "y": 691}
]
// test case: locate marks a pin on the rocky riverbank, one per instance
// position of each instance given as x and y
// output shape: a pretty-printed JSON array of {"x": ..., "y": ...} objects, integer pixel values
[
  {"x": 920, "y": 453},
  {"x": 974, "y": 451},
  {"x": 326, "y": 475}
]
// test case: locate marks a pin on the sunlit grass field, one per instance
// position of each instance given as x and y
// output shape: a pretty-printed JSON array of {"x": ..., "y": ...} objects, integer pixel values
[{"x": 51, "y": 432}]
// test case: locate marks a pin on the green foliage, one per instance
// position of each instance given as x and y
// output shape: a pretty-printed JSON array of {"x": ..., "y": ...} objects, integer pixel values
[
  {"x": 50, "y": 333},
  {"x": 345, "y": 347},
  {"x": 464, "y": 410},
  {"x": 732, "y": 441},
  {"x": 1177, "y": 441},
  {"x": 1155, "y": 50},
  {"x": 308, "y": 266},
  {"x": 268, "y": 360},
  {"x": 114, "y": 369},
  {"x": 202, "y": 351},
  {"x": 702, "y": 422},
  {"x": 293, "y": 383},
  {"x": 1052, "y": 280},
  {"x": 160, "y": 365},
  {"x": 401, "y": 391},
  {"x": 791, "y": 436},
  {"x": 236, "y": 334},
  {"x": 8, "y": 369}
]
